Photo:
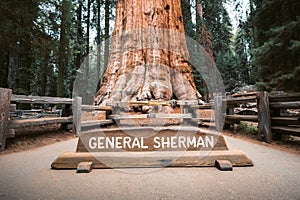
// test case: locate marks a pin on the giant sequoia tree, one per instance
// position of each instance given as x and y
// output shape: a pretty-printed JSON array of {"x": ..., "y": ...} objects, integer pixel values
[{"x": 148, "y": 55}]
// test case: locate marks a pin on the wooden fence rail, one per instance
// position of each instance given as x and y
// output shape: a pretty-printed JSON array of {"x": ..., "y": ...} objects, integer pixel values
[
  {"x": 9, "y": 104},
  {"x": 269, "y": 112},
  {"x": 269, "y": 116}
]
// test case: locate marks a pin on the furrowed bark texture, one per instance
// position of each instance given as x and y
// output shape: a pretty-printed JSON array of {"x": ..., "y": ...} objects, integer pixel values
[{"x": 148, "y": 56}]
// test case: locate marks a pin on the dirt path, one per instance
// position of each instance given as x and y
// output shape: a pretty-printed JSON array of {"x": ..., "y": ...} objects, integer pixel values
[
  {"x": 286, "y": 146},
  {"x": 35, "y": 137}
]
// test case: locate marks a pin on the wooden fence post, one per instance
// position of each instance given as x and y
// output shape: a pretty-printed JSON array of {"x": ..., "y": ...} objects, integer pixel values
[
  {"x": 5, "y": 97},
  {"x": 116, "y": 110},
  {"x": 219, "y": 117},
  {"x": 77, "y": 115},
  {"x": 264, "y": 118},
  {"x": 186, "y": 110},
  {"x": 66, "y": 112}
]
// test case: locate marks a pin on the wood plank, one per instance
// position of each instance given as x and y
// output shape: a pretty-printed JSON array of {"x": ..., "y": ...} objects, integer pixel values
[
  {"x": 287, "y": 130},
  {"x": 92, "y": 108},
  {"x": 40, "y": 100},
  {"x": 285, "y": 105},
  {"x": 250, "y": 118},
  {"x": 187, "y": 102},
  {"x": 243, "y": 94},
  {"x": 240, "y": 100},
  {"x": 285, "y": 121},
  {"x": 94, "y": 124},
  {"x": 84, "y": 167},
  {"x": 160, "y": 159},
  {"x": 284, "y": 97},
  {"x": 153, "y": 115},
  {"x": 37, "y": 122},
  {"x": 148, "y": 135},
  {"x": 157, "y": 103},
  {"x": 264, "y": 119},
  {"x": 224, "y": 165},
  {"x": 5, "y": 98},
  {"x": 148, "y": 103}
]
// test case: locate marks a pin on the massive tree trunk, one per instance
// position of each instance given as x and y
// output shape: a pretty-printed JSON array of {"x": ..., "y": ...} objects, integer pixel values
[{"x": 148, "y": 56}]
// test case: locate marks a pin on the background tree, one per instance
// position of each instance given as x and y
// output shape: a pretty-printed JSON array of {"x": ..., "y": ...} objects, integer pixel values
[
  {"x": 64, "y": 46},
  {"x": 41, "y": 46},
  {"x": 17, "y": 33},
  {"x": 277, "y": 42}
]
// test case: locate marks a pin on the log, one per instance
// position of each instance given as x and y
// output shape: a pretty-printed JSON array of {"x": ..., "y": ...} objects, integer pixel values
[
  {"x": 244, "y": 95},
  {"x": 40, "y": 100},
  {"x": 284, "y": 97},
  {"x": 38, "y": 122},
  {"x": 92, "y": 108},
  {"x": 264, "y": 119},
  {"x": 5, "y": 97},
  {"x": 287, "y": 130},
  {"x": 285, "y": 105},
  {"x": 240, "y": 100},
  {"x": 285, "y": 120},
  {"x": 77, "y": 115},
  {"x": 250, "y": 118}
]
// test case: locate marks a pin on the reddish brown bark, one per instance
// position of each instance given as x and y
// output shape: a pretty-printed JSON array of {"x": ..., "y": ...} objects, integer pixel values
[{"x": 148, "y": 57}]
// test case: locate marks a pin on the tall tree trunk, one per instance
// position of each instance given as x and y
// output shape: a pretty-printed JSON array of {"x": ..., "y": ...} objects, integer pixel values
[
  {"x": 106, "y": 31},
  {"x": 187, "y": 18},
  {"x": 79, "y": 38},
  {"x": 63, "y": 48},
  {"x": 86, "y": 98},
  {"x": 203, "y": 33},
  {"x": 149, "y": 57},
  {"x": 205, "y": 40},
  {"x": 99, "y": 72}
]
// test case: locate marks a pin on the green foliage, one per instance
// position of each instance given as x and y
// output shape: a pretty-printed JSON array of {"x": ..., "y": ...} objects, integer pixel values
[
  {"x": 247, "y": 128},
  {"x": 277, "y": 41},
  {"x": 43, "y": 43},
  {"x": 243, "y": 49}
]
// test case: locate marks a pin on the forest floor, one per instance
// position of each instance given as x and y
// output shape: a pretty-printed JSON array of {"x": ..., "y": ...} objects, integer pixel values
[
  {"x": 37, "y": 136},
  {"x": 34, "y": 137}
]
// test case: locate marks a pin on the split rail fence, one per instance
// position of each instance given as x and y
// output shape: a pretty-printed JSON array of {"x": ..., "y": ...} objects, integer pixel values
[{"x": 275, "y": 113}]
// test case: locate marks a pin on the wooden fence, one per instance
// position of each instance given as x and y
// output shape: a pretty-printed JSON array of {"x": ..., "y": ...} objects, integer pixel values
[
  {"x": 10, "y": 103},
  {"x": 271, "y": 113},
  {"x": 274, "y": 113}
]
